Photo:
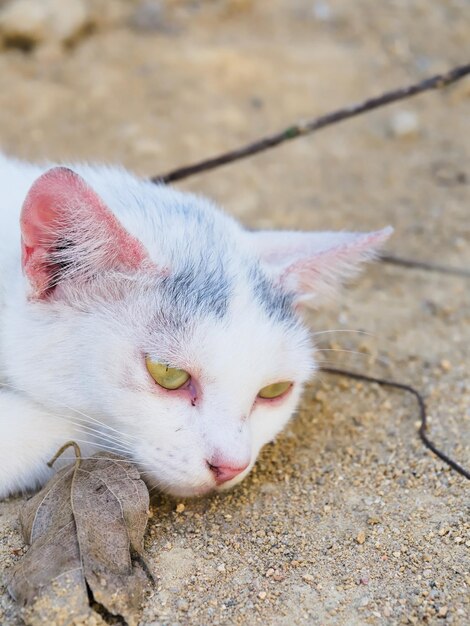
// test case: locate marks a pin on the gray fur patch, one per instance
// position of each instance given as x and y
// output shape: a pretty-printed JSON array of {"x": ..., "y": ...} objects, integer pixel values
[
  {"x": 197, "y": 291},
  {"x": 276, "y": 303}
]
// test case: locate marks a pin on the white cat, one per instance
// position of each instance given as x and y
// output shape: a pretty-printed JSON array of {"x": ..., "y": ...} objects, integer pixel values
[{"x": 142, "y": 320}]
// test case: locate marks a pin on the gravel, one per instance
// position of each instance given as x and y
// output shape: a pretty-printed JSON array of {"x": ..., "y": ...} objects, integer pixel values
[{"x": 346, "y": 518}]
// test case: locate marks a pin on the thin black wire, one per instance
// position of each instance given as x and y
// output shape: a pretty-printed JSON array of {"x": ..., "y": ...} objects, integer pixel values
[
  {"x": 424, "y": 265},
  {"x": 422, "y": 410}
]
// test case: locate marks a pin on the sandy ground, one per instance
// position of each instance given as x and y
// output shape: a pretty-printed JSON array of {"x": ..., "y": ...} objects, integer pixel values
[{"x": 346, "y": 519}]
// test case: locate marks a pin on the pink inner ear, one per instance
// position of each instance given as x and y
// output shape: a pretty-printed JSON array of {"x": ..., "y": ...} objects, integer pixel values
[
  {"x": 61, "y": 205},
  {"x": 320, "y": 273}
]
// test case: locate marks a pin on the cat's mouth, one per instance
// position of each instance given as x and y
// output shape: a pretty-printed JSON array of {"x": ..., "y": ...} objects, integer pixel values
[{"x": 191, "y": 491}]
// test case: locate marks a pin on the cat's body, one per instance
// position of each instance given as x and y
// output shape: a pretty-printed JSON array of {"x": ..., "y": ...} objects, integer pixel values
[{"x": 116, "y": 272}]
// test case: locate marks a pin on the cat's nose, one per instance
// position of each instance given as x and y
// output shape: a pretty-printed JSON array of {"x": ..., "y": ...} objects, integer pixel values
[{"x": 224, "y": 473}]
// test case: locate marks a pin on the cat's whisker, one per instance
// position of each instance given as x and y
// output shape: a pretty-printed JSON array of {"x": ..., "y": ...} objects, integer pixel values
[
  {"x": 158, "y": 487},
  {"x": 97, "y": 434},
  {"x": 102, "y": 446},
  {"x": 356, "y": 352},
  {"x": 330, "y": 363},
  {"x": 91, "y": 420},
  {"x": 86, "y": 418},
  {"x": 375, "y": 358},
  {"x": 89, "y": 429},
  {"x": 142, "y": 466},
  {"x": 103, "y": 458},
  {"x": 103, "y": 442},
  {"x": 96, "y": 421},
  {"x": 93, "y": 458},
  {"x": 342, "y": 330}
]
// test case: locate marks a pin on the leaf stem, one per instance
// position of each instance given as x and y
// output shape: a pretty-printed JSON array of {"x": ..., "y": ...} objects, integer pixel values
[{"x": 62, "y": 449}]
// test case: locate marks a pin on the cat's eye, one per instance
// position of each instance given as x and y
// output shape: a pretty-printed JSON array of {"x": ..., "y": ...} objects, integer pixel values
[
  {"x": 275, "y": 390},
  {"x": 167, "y": 377}
]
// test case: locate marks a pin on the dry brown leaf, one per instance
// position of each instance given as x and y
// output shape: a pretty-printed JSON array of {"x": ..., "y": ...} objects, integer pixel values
[{"x": 86, "y": 531}]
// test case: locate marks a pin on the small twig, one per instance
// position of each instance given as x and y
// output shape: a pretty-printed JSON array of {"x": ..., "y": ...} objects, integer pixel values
[
  {"x": 422, "y": 410},
  {"x": 310, "y": 126},
  {"x": 424, "y": 265}
]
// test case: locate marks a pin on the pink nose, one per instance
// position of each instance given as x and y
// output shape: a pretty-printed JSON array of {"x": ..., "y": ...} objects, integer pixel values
[{"x": 224, "y": 473}]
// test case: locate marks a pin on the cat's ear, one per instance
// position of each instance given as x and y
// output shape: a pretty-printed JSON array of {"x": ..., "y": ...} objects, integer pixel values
[
  {"x": 313, "y": 265},
  {"x": 67, "y": 231}
]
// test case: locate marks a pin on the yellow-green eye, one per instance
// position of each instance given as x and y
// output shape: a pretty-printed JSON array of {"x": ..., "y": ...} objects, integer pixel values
[
  {"x": 167, "y": 377},
  {"x": 275, "y": 390}
]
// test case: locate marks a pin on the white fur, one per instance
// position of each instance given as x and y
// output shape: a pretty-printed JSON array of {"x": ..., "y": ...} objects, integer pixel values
[{"x": 73, "y": 365}]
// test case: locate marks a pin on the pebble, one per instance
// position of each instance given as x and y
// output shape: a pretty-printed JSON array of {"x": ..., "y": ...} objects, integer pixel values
[
  {"x": 147, "y": 147},
  {"x": 404, "y": 124},
  {"x": 262, "y": 595},
  {"x": 30, "y": 22},
  {"x": 361, "y": 537},
  {"x": 446, "y": 365},
  {"x": 149, "y": 16},
  {"x": 182, "y": 604},
  {"x": 322, "y": 11},
  {"x": 180, "y": 508}
]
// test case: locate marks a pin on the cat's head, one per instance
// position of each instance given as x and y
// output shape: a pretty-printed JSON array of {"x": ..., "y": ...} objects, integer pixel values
[{"x": 151, "y": 311}]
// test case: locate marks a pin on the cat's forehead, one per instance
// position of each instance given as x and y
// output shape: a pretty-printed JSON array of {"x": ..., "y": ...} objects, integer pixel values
[
  {"x": 205, "y": 257},
  {"x": 222, "y": 289},
  {"x": 219, "y": 317}
]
